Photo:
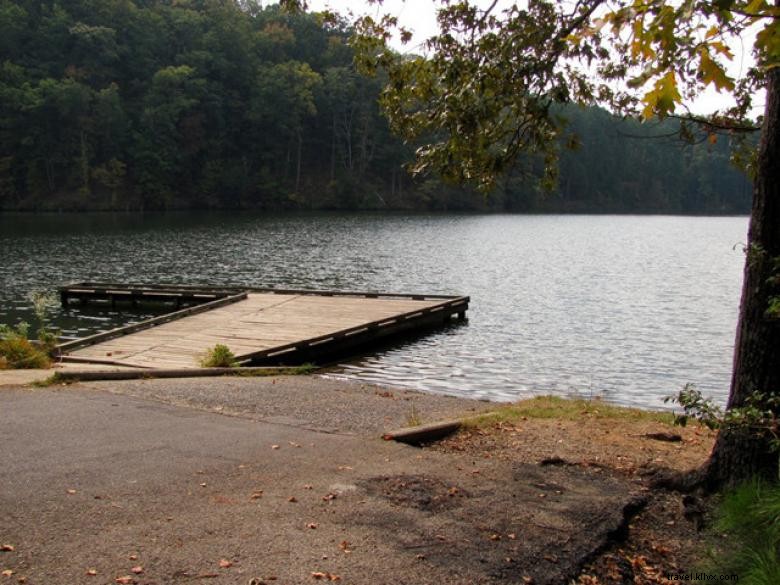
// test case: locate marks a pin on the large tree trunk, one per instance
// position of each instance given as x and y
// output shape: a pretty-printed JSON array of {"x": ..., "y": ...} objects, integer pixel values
[{"x": 739, "y": 454}]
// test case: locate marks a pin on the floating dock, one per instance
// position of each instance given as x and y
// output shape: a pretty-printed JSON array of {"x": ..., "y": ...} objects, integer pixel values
[{"x": 260, "y": 326}]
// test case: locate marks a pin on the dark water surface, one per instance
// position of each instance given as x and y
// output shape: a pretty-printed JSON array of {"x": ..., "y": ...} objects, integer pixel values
[{"x": 625, "y": 307}]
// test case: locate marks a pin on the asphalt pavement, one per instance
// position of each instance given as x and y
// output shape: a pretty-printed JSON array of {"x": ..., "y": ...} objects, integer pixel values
[{"x": 107, "y": 484}]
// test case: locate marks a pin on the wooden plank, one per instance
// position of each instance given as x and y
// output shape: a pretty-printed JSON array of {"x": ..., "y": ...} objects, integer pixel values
[
  {"x": 262, "y": 324},
  {"x": 150, "y": 323}
]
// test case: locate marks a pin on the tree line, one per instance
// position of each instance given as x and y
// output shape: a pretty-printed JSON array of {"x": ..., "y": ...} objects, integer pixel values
[{"x": 163, "y": 104}]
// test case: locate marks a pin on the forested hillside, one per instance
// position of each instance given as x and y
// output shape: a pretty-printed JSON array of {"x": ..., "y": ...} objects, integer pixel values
[{"x": 155, "y": 104}]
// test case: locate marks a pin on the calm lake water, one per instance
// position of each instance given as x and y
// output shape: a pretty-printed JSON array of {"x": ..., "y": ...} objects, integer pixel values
[{"x": 627, "y": 308}]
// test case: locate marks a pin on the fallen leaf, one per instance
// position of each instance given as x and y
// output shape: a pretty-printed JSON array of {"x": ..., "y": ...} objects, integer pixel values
[
  {"x": 7, "y": 573},
  {"x": 661, "y": 550},
  {"x": 137, "y": 570},
  {"x": 71, "y": 492},
  {"x": 126, "y": 580},
  {"x": 274, "y": 446},
  {"x": 256, "y": 495},
  {"x": 345, "y": 468},
  {"x": 7, "y": 548},
  {"x": 91, "y": 572},
  {"x": 225, "y": 564},
  {"x": 328, "y": 576}
]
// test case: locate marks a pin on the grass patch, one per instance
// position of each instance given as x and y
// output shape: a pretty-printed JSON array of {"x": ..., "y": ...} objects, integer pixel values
[
  {"x": 554, "y": 407},
  {"x": 219, "y": 356},
  {"x": 54, "y": 380},
  {"x": 303, "y": 369},
  {"x": 260, "y": 372},
  {"x": 413, "y": 419},
  {"x": 750, "y": 517}
]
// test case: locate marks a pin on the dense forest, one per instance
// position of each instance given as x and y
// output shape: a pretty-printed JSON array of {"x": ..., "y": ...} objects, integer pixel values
[{"x": 162, "y": 104}]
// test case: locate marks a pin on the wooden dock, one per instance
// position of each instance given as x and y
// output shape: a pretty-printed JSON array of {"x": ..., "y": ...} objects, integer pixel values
[{"x": 260, "y": 326}]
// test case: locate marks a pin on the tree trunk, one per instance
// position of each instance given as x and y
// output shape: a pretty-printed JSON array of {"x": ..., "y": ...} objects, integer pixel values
[
  {"x": 739, "y": 454},
  {"x": 333, "y": 150},
  {"x": 298, "y": 163},
  {"x": 84, "y": 163}
]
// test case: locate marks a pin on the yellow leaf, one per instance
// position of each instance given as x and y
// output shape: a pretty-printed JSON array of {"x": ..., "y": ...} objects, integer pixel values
[
  {"x": 661, "y": 99},
  {"x": 712, "y": 73},
  {"x": 722, "y": 49}
]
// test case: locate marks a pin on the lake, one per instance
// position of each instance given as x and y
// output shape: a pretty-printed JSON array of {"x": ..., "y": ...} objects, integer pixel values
[{"x": 627, "y": 308}]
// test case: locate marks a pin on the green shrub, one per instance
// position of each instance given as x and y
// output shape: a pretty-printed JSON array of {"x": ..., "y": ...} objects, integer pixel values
[
  {"x": 17, "y": 352},
  {"x": 219, "y": 356}
]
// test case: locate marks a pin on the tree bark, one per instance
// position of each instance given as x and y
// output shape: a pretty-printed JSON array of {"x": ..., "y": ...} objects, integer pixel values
[
  {"x": 739, "y": 453},
  {"x": 298, "y": 163},
  {"x": 333, "y": 150}
]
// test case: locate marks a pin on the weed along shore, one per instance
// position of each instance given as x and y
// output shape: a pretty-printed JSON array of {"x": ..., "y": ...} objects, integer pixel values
[{"x": 286, "y": 479}]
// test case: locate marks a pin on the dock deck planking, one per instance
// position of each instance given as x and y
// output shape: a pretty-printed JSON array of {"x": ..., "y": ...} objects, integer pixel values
[{"x": 259, "y": 323}]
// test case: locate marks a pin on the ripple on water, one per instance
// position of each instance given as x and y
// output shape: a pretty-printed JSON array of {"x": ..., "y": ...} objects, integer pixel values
[{"x": 628, "y": 308}]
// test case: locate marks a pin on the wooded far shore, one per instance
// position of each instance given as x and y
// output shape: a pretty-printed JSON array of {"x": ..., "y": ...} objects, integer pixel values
[{"x": 117, "y": 105}]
